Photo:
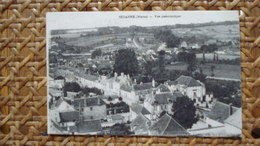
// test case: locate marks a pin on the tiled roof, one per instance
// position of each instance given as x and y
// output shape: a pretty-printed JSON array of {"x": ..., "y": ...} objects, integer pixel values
[
  {"x": 117, "y": 117},
  {"x": 91, "y": 101},
  {"x": 137, "y": 108},
  {"x": 69, "y": 116},
  {"x": 87, "y": 76},
  {"x": 163, "y": 88},
  {"x": 167, "y": 126},
  {"x": 64, "y": 106},
  {"x": 144, "y": 86},
  {"x": 89, "y": 126},
  {"x": 235, "y": 119},
  {"x": 94, "y": 101},
  {"x": 78, "y": 102},
  {"x": 188, "y": 81},
  {"x": 164, "y": 98},
  {"x": 140, "y": 125},
  {"x": 127, "y": 88},
  {"x": 221, "y": 111}
]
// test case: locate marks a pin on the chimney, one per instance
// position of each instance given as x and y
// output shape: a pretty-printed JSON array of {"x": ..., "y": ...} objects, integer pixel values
[
  {"x": 230, "y": 109},
  {"x": 134, "y": 81},
  {"x": 207, "y": 97},
  {"x": 153, "y": 83}
]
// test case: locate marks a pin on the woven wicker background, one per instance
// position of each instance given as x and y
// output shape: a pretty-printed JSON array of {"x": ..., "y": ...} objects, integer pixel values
[{"x": 23, "y": 110}]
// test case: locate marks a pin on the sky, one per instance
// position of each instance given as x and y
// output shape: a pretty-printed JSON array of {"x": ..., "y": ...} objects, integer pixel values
[{"x": 81, "y": 20}]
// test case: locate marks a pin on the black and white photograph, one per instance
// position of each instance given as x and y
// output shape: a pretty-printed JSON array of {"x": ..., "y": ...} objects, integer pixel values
[{"x": 174, "y": 73}]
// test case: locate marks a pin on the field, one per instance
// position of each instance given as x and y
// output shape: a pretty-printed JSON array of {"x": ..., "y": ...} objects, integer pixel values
[
  {"x": 210, "y": 56},
  {"x": 218, "y": 32},
  {"x": 177, "y": 66},
  {"x": 222, "y": 70}
]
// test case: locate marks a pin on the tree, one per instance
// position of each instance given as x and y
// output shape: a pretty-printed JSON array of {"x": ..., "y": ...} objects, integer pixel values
[
  {"x": 148, "y": 66},
  {"x": 162, "y": 113},
  {"x": 189, "y": 58},
  {"x": 168, "y": 37},
  {"x": 186, "y": 57},
  {"x": 71, "y": 87},
  {"x": 87, "y": 90},
  {"x": 161, "y": 61},
  {"x": 59, "y": 78},
  {"x": 109, "y": 98},
  {"x": 212, "y": 67},
  {"x": 126, "y": 62},
  {"x": 96, "y": 53},
  {"x": 119, "y": 129},
  {"x": 184, "y": 111},
  {"x": 199, "y": 76}
]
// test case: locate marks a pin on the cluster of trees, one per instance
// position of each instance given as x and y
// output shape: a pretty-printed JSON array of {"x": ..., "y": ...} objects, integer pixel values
[
  {"x": 209, "y": 48},
  {"x": 189, "y": 58},
  {"x": 87, "y": 90},
  {"x": 126, "y": 62},
  {"x": 75, "y": 87},
  {"x": 192, "y": 25},
  {"x": 119, "y": 107},
  {"x": 225, "y": 92},
  {"x": 71, "y": 87},
  {"x": 96, "y": 53},
  {"x": 184, "y": 111},
  {"x": 120, "y": 129},
  {"x": 166, "y": 35}
]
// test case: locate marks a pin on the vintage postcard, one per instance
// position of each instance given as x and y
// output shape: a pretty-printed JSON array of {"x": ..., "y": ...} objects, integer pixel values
[{"x": 144, "y": 73}]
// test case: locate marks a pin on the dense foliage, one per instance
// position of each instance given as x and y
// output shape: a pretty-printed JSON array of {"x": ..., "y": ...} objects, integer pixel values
[
  {"x": 71, "y": 87},
  {"x": 184, "y": 111},
  {"x": 126, "y": 62},
  {"x": 120, "y": 129},
  {"x": 168, "y": 37},
  {"x": 96, "y": 53}
]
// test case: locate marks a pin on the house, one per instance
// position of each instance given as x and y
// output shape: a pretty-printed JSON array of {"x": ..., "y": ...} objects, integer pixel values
[
  {"x": 111, "y": 86},
  {"x": 68, "y": 120},
  {"x": 223, "y": 119},
  {"x": 140, "y": 125},
  {"x": 194, "y": 46},
  {"x": 157, "y": 103},
  {"x": 221, "y": 111},
  {"x": 91, "y": 108},
  {"x": 137, "y": 109},
  {"x": 143, "y": 89},
  {"x": 128, "y": 94},
  {"x": 64, "y": 106},
  {"x": 183, "y": 44},
  {"x": 57, "y": 84},
  {"x": 86, "y": 80},
  {"x": 167, "y": 126},
  {"x": 188, "y": 86},
  {"x": 163, "y": 89},
  {"x": 133, "y": 93}
]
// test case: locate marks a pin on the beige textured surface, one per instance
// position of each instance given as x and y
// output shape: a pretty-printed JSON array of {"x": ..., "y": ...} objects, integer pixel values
[{"x": 23, "y": 99}]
